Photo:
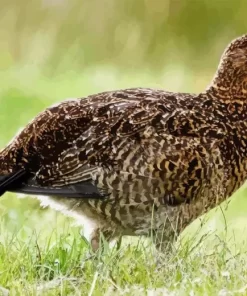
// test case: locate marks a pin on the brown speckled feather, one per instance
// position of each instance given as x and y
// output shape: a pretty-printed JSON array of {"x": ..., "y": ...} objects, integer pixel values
[{"x": 133, "y": 159}]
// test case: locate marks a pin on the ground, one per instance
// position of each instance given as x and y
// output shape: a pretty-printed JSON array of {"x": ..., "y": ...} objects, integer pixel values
[
  {"x": 51, "y": 258},
  {"x": 42, "y": 252}
]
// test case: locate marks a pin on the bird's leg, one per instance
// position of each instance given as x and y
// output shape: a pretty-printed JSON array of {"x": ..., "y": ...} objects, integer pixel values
[
  {"x": 99, "y": 236},
  {"x": 95, "y": 240},
  {"x": 164, "y": 239},
  {"x": 162, "y": 244}
]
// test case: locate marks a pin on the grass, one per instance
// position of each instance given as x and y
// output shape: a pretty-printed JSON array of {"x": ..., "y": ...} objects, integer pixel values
[
  {"x": 59, "y": 49},
  {"x": 42, "y": 252},
  {"x": 57, "y": 264}
]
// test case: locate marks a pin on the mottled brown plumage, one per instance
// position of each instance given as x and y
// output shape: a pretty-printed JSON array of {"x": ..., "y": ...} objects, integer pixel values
[{"x": 137, "y": 160}]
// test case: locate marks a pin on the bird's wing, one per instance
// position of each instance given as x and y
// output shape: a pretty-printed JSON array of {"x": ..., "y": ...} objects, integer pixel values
[
  {"x": 172, "y": 149},
  {"x": 49, "y": 146},
  {"x": 111, "y": 134}
]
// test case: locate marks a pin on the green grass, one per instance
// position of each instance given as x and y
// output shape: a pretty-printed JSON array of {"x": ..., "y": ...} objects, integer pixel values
[
  {"x": 59, "y": 49},
  {"x": 50, "y": 258},
  {"x": 42, "y": 252}
]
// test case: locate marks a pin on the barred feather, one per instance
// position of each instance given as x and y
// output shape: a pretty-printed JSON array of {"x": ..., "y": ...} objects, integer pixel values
[{"x": 130, "y": 160}]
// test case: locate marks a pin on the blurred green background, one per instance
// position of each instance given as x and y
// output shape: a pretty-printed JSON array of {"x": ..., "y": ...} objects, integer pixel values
[{"x": 54, "y": 49}]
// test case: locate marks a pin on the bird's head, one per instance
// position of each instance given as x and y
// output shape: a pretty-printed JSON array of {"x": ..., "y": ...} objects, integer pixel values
[{"x": 231, "y": 76}]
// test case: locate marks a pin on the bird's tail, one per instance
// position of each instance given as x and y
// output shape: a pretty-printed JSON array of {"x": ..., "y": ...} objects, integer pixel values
[
  {"x": 21, "y": 182},
  {"x": 11, "y": 180},
  {"x": 84, "y": 190}
]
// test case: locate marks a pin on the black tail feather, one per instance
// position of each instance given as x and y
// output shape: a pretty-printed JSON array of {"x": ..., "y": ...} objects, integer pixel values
[
  {"x": 80, "y": 190},
  {"x": 21, "y": 182},
  {"x": 11, "y": 180}
]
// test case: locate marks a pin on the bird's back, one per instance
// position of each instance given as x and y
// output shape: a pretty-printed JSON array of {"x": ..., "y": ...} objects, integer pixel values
[{"x": 144, "y": 149}]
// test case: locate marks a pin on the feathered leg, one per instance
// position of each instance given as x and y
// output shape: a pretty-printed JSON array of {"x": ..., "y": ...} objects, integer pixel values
[{"x": 99, "y": 236}]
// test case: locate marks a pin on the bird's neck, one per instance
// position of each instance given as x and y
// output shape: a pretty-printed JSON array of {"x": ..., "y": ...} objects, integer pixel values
[{"x": 229, "y": 84}]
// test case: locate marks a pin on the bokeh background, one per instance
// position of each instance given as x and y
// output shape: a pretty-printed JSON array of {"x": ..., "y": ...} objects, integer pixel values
[{"x": 54, "y": 49}]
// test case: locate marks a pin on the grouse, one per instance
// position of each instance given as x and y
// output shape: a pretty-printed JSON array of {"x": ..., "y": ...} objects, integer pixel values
[{"x": 137, "y": 161}]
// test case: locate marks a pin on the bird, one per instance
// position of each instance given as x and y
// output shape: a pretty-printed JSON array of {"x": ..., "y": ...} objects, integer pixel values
[{"x": 137, "y": 161}]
